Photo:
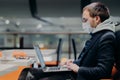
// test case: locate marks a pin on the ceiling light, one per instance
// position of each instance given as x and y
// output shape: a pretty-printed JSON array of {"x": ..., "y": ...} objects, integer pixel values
[
  {"x": 18, "y": 23},
  {"x": 7, "y": 21},
  {"x": 39, "y": 26}
]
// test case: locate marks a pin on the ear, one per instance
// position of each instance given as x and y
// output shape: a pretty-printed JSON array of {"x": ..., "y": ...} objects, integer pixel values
[{"x": 97, "y": 19}]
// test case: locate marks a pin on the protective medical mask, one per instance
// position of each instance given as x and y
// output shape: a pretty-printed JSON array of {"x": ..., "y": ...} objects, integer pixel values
[{"x": 86, "y": 26}]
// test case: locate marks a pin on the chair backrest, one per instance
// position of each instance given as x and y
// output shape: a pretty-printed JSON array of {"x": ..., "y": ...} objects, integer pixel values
[
  {"x": 116, "y": 68},
  {"x": 74, "y": 49},
  {"x": 59, "y": 50},
  {"x": 117, "y": 53}
]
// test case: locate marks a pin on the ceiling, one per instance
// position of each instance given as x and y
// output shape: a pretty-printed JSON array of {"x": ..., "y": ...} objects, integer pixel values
[
  {"x": 64, "y": 14},
  {"x": 46, "y": 8}
]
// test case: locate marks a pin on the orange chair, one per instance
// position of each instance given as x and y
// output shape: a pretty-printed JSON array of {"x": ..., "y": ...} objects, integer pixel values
[
  {"x": 63, "y": 60},
  {"x": 0, "y": 54},
  {"x": 114, "y": 70},
  {"x": 19, "y": 54}
]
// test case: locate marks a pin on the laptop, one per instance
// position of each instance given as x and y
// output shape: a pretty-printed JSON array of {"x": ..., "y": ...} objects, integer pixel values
[{"x": 42, "y": 62}]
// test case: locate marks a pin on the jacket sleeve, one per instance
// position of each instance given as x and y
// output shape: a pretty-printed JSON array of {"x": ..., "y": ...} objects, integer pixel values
[
  {"x": 105, "y": 59},
  {"x": 76, "y": 62}
]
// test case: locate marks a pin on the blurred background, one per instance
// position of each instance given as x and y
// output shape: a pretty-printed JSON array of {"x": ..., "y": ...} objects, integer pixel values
[{"x": 23, "y": 22}]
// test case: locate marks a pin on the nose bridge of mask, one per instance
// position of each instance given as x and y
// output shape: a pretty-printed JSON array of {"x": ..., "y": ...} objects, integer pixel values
[{"x": 87, "y": 27}]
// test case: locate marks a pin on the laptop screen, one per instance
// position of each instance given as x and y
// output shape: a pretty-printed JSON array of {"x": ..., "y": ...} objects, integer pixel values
[{"x": 40, "y": 56}]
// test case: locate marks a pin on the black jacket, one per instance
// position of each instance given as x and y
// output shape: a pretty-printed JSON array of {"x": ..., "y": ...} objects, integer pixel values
[{"x": 97, "y": 58}]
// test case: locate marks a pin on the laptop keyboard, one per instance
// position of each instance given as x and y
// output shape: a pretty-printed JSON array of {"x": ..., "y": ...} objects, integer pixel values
[{"x": 52, "y": 69}]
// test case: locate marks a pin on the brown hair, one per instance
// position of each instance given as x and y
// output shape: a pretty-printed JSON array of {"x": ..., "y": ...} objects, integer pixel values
[{"x": 98, "y": 9}]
